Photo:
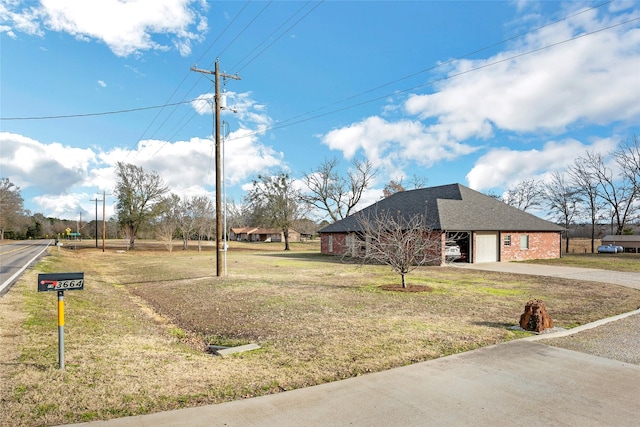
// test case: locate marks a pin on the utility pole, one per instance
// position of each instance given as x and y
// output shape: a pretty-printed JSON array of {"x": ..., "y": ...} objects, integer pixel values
[
  {"x": 96, "y": 200},
  {"x": 104, "y": 221},
  {"x": 217, "y": 74}
]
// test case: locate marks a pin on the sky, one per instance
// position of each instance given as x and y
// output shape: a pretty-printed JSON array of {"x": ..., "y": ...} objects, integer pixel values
[{"x": 482, "y": 93}]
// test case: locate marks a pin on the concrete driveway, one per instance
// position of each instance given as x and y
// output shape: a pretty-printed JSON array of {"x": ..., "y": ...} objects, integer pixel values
[
  {"x": 630, "y": 280},
  {"x": 518, "y": 383}
]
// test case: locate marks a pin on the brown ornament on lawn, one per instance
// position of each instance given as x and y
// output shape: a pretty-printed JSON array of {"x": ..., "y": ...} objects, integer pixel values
[{"x": 535, "y": 316}]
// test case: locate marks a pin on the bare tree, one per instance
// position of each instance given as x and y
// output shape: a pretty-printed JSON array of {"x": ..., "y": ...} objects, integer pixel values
[
  {"x": 397, "y": 241},
  {"x": 628, "y": 158},
  {"x": 11, "y": 206},
  {"x": 617, "y": 191},
  {"x": 237, "y": 216},
  {"x": 392, "y": 187},
  {"x": 336, "y": 194},
  {"x": 138, "y": 195},
  {"x": 186, "y": 221},
  {"x": 274, "y": 202},
  {"x": 167, "y": 224},
  {"x": 527, "y": 194},
  {"x": 563, "y": 201},
  {"x": 586, "y": 184},
  {"x": 396, "y": 186},
  {"x": 204, "y": 217}
]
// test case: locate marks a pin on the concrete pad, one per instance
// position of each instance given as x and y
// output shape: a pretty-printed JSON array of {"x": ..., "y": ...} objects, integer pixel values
[
  {"x": 239, "y": 349},
  {"x": 515, "y": 383}
]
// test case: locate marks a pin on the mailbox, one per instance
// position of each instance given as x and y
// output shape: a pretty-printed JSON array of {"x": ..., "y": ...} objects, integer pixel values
[{"x": 60, "y": 282}]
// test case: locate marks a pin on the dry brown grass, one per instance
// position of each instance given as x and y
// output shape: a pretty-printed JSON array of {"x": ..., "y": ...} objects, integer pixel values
[
  {"x": 135, "y": 337},
  {"x": 581, "y": 246}
]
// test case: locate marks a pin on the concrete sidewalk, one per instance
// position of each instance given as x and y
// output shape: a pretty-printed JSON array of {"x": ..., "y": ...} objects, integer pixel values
[{"x": 523, "y": 382}]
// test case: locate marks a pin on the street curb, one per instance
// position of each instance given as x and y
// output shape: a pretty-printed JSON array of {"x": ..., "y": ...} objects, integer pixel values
[{"x": 581, "y": 328}]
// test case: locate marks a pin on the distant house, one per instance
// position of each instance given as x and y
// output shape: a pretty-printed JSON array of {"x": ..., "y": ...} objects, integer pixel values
[
  {"x": 256, "y": 234},
  {"x": 629, "y": 243},
  {"x": 485, "y": 229}
]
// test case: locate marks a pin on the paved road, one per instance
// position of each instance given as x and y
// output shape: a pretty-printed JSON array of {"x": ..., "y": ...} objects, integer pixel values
[
  {"x": 518, "y": 383},
  {"x": 16, "y": 257}
]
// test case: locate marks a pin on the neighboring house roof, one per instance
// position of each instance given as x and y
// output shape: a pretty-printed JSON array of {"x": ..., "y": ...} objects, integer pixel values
[
  {"x": 452, "y": 207},
  {"x": 255, "y": 230},
  {"x": 242, "y": 230},
  {"x": 621, "y": 238}
]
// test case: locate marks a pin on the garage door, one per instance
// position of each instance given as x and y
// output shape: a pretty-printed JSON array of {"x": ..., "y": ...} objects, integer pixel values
[{"x": 486, "y": 247}]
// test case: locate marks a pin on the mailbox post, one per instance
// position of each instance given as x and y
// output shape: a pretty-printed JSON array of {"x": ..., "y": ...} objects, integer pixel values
[{"x": 60, "y": 282}]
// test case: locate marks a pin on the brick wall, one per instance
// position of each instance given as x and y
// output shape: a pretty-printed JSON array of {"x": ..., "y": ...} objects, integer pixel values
[
  {"x": 332, "y": 244},
  {"x": 542, "y": 245}
]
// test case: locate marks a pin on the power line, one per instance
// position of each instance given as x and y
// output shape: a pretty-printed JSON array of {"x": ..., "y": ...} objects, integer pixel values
[
  {"x": 294, "y": 120},
  {"x": 104, "y": 113},
  {"x": 280, "y": 36},
  {"x": 345, "y": 99},
  {"x": 235, "y": 67},
  {"x": 192, "y": 114},
  {"x": 450, "y": 61},
  {"x": 224, "y": 30},
  {"x": 169, "y": 135},
  {"x": 290, "y": 122},
  {"x": 245, "y": 28}
]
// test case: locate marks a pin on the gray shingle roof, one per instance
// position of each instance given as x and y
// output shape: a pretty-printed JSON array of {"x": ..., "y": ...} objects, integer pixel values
[{"x": 452, "y": 207}]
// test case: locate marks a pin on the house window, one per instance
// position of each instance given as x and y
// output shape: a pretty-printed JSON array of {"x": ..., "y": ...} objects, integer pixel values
[
  {"x": 524, "y": 241},
  {"x": 330, "y": 243},
  {"x": 507, "y": 240}
]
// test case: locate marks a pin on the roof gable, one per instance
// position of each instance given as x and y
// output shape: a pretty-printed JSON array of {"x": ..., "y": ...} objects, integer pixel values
[{"x": 452, "y": 207}]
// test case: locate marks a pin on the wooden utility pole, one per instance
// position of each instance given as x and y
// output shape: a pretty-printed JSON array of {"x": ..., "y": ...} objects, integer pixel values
[
  {"x": 219, "y": 242},
  {"x": 104, "y": 221},
  {"x": 96, "y": 200}
]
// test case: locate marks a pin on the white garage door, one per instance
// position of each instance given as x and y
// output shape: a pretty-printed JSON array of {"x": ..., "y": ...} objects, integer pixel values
[{"x": 486, "y": 247}]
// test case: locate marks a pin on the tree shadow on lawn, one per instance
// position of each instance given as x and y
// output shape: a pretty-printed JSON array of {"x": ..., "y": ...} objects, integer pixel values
[
  {"x": 409, "y": 288},
  {"x": 499, "y": 325},
  {"x": 305, "y": 256}
]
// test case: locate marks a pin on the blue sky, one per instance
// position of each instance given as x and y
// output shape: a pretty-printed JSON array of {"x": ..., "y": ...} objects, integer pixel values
[{"x": 484, "y": 93}]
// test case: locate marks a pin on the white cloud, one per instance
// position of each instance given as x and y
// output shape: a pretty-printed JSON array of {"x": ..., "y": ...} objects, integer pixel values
[
  {"x": 50, "y": 167},
  {"x": 102, "y": 83},
  {"x": 65, "y": 205},
  {"x": 6, "y": 29},
  {"x": 391, "y": 145},
  {"x": 524, "y": 92},
  {"x": 25, "y": 20},
  {"x": 244, "y": 153},
  {"x": 504, "y": 167},
  {"x": 592, "y": 79},
  {"x": 67, "y": 178},
  {"x": 245, "y": 109},
  {"x": 127, "y": 27}
]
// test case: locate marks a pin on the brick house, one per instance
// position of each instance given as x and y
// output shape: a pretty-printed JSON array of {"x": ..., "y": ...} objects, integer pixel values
[
  {"x": 485, "y": 229},
  {"x": 256, "y": 234}
]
